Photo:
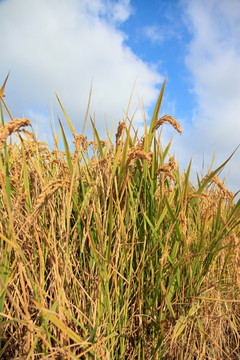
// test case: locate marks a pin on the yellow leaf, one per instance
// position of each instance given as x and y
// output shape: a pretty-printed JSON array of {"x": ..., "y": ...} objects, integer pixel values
[{"x": 3, "y": 87}]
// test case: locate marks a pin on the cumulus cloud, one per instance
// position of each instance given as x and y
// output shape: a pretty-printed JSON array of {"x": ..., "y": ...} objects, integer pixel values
[
  {"x": 64, "y": 44},
  {"x": 213, "y": 60}
]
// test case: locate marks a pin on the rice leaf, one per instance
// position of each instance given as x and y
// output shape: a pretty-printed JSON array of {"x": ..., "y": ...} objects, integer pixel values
[
  {"x": 67, "y": 118},
  {"x": 25, "y": 179},
  {"x": 155, "y": 116},
  {"x": 67, "y": 150},
  {"x": 100, "y": 149},
  {"x": 209, "y": 178},
  {"x": 3, "y": 87}
]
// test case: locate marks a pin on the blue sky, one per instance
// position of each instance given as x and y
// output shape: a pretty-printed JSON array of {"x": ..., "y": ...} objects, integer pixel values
[
  {"x": 158, "y": 35},
  {"x": 63, "y": 45}
]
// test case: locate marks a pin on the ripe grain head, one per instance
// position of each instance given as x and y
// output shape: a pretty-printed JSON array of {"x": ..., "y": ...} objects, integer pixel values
[
  {"x": 11, "y": 127},
  {"x": 168, "y": 119}
]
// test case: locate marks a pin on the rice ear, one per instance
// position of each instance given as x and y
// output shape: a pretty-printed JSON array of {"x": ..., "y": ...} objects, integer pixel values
[{"x": 11, "y": 127}]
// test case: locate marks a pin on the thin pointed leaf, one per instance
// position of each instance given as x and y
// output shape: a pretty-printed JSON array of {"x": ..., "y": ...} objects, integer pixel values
[
  {"x": 69, "y": 160},
  {"x": 167, "y": 149},
  {"x": 25, "y": 179},
  {"x": 155, "y": 115},
  {"x": 86, "y": 116},
  {"x": 67, "y": 118},
  {"x": 100, "y": 149},
  {"x": 3, "y": 87},
  {"x": 209, "y": 178}
]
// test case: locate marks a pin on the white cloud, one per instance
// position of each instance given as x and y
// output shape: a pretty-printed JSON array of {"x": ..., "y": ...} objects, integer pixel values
[
  {"x": 114, "y": 11},
  {"x": 154, "y": 33},
  {"x": 213, "y": 59},
  {"x": 160, "y": 34},
  {"x": 63, "y": 45}
]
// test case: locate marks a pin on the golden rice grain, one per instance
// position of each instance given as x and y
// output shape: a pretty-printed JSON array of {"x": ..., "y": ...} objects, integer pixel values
[
  {"x": 121, "y": 127},
  {"x": 46, "y": 194},
  {"x": 81, "y": 143},
  {"x": 168, "y": 119},
  {"x": 168, "y": 168},
  {"x": 138, "y": 153},
  {"x": 226, "y": 193},
  {"x": 10, "y": 128}
]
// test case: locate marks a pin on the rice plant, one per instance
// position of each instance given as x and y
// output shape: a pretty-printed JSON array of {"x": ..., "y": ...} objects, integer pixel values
[{"x": 109, "y": 252}]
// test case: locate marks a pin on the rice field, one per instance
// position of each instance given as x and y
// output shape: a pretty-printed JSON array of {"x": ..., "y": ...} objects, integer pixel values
[{"x": 109, "y": 252}]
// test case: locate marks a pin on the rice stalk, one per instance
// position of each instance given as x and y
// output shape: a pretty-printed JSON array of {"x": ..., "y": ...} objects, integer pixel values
[{"x": 114, "y": 255}]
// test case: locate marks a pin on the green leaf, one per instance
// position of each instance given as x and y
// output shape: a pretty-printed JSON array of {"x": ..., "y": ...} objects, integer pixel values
[
  {"x": 182, "y": 323},
  {"x": 186, "y": 182},
  {"x": 7, "y": 181},
  {"x": 25, "y": 179},
  {"x": 209, "y": 178},
  {"x": 93, "y": 334},
  {"x": 155, "y": 116},
  {"x": 100, "y": 149},
  {"x": 68, "y": 121},
  {"x": 69, "y": 160},
  {"x": 166, "y": 150}
]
